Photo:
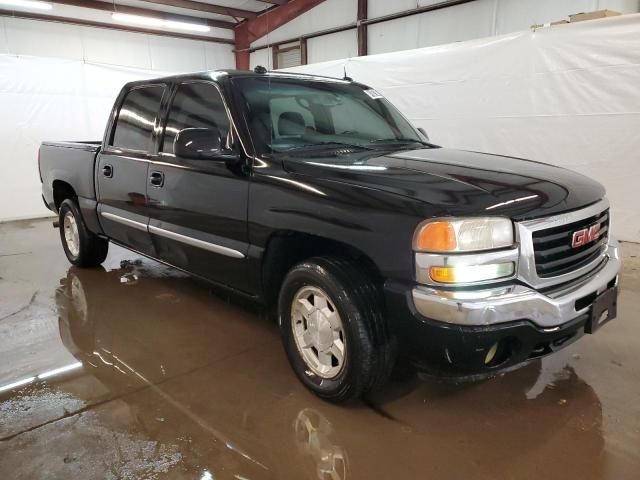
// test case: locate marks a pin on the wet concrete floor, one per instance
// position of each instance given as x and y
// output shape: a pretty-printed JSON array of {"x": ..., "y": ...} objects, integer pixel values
[{"x": 137, "y": 371}]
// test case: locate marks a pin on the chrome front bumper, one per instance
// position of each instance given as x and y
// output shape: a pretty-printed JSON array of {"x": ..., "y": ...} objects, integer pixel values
[{"x": 517, "y": 302}]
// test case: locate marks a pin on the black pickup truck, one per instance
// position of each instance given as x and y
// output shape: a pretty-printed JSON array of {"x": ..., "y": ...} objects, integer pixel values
[{"x": 316, "y": 196}]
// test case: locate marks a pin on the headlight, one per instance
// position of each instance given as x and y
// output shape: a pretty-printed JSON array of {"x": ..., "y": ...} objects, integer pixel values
[
  {"x": 465, "y": 251},
  {"x": 463, "y": 235}
]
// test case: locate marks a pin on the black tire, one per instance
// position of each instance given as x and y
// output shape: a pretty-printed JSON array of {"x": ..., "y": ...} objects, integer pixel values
[
  {"x": 371, "y": 350},
  {"x": 92, "y": 249},
  {"x": 80, "y": 307}
]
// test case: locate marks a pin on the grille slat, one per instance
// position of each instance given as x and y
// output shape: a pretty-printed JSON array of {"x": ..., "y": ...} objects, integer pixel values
[
  {"x": 596, "y": 247},
  {"x": 554, "y": 254},
  {"x": 547, "y": 235},
  {"x": 564, "y": 248}
]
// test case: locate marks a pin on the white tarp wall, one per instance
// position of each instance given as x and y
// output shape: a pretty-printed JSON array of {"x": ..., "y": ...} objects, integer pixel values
[
  {"x": 49, "y": 99},
  {"x": 567, "y": 95},
  {"x": 58, "y": 82}
]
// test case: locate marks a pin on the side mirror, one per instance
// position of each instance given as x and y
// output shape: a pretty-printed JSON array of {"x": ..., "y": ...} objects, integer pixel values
[
  {"x": 423, "y": 132},
  {"x": 198, "y": 143}
]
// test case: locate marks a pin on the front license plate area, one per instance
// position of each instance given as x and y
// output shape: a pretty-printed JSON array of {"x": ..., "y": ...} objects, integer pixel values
[{"x": 604, "y": 308}]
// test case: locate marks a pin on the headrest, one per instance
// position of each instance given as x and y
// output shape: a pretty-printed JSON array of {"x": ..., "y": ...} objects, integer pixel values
[{"x": 291, "y": 123}]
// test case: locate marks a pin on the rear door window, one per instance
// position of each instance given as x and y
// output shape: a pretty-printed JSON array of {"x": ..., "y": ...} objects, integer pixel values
[{"x": 136, "y": 118}]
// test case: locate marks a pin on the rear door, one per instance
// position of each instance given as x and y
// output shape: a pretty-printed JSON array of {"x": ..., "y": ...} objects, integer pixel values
[
  {"x": 198, "y": 208},
  {"x": 123, "y": 168}
]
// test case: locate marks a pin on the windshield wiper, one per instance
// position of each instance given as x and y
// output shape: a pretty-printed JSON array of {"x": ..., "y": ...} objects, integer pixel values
[
  {"x": 401, "y": 139},
  {"x": 326, "y": 145}
]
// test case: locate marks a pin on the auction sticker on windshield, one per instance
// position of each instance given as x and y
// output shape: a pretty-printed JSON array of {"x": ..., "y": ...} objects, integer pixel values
[{"x": 373, "y": 94}]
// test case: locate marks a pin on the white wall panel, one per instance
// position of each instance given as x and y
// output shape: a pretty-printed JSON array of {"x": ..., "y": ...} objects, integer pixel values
[
  {"x": 329, "y": 14},
  {"x": 448, "y": 25},
  {"x": 177, "y": 54},
  {"x": 261, "y": 57},
  {"x": 456, "y": 24},
  {"x": 514, "y": 15},
  {"x": 622, "y": 6},
  {"x": 114, "y": 48},
  {"x": 477, "y": 19},
  {"x": 333, "y": 46},
  {"x": 394, "y": 35},
  {"x": 96, "y": 45},
  {"x": 26, "y": 37},
  {"x": 4, "y": 47},
  {"x": 219, "y": 56},
  {"x": 379, "y": 8},
  {"x": 517, "y": 14}
]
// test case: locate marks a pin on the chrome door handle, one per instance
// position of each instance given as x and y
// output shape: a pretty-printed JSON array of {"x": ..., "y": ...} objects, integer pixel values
[{"x": 156, "y": 179}]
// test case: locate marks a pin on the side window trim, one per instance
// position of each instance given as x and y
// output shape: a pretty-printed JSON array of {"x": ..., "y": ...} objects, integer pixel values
[
  {"x": 165, "y": 110},
  {"x": 110, "y": 147}
]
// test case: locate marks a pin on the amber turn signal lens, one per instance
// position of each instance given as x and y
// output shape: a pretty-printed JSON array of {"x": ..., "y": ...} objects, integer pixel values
[
  {"x": 471, "y": 273},
  {"x": 436, "y": 237},
  {"x": 443, "y": 274}
]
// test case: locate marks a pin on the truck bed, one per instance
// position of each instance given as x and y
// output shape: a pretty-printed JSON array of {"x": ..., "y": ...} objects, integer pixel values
[
  {"x": 90, "y": 145},
  {"x": 72, "y": 163}
]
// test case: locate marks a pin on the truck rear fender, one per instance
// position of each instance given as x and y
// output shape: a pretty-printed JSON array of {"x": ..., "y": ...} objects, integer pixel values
[{"x": 61, "y": 191}]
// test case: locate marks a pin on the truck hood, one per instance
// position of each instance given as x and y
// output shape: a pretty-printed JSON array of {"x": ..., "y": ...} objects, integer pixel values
[{"x": 458, "y": 182}]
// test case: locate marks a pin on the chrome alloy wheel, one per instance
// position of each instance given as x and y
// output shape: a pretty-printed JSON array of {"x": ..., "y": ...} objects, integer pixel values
[
  {"x": 79, "y": 300},
  {"x": 71, "y": 234},
  {"x": 318, "y": 332}
]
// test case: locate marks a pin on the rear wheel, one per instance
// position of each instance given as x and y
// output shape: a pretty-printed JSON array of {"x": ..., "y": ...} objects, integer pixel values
[
  {"x": 333, "y": 329},
  {"x": 82, "y": 248}
]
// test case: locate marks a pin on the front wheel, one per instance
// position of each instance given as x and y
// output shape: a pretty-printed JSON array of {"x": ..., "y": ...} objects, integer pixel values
[
  {"x": 82, "y": 248},
  {"x": 333, "y": 329}
]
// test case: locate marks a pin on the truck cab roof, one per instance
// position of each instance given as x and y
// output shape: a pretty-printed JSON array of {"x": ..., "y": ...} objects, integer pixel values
[{"x": 218, "y": 75}]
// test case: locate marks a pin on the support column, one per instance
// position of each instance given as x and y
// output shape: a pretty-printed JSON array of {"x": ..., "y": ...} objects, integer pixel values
[
  {"x": 362, "y": 27},
  {"x": 252, "y": 29}
]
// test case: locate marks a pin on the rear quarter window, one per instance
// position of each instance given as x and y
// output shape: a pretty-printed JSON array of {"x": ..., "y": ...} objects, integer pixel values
[{"x": 136, "y": 118}]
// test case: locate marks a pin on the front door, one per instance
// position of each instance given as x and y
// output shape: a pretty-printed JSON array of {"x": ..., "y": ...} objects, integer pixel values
[
  {"x": 198, "y": 208},
  {"x": 123, "y": 166}
]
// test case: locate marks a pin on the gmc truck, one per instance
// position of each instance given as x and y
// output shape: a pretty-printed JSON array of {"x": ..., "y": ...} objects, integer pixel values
[{"x": 316, "y": 197}]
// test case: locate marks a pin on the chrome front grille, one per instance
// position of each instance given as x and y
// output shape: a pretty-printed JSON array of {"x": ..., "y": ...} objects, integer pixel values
[
  {"x": 546, "y": 255},
  {"x": 552, "y": 248}
]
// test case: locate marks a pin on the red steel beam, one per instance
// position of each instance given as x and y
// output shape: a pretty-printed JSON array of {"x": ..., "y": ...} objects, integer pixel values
[{"x": 253, "y": 29}]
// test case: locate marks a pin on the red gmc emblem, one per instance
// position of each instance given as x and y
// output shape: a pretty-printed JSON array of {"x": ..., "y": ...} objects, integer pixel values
[{"x": 586, "y": 235}]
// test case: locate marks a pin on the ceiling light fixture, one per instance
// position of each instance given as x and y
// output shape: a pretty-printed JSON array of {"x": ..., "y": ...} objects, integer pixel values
[
  {"x": 158, "y": 22},
  {"x": 137, "y": 19},
  {"x": 29, "y": 4},
  {"x": 194, "y": 27}
]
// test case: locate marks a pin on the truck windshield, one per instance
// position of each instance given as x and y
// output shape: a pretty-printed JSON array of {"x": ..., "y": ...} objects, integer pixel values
[{"x": 291, "y": 115}]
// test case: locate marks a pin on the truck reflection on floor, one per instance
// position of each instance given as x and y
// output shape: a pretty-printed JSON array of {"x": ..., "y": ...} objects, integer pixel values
[
  {"x": 95, "y": 326},
  {"x": 210, "y": 377}
]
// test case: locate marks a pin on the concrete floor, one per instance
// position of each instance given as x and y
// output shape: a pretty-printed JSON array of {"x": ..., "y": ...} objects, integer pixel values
[{"x": 137, "y": 371}]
